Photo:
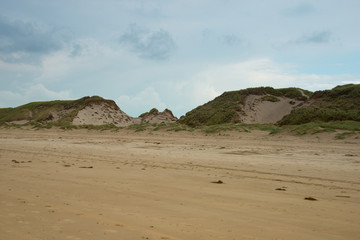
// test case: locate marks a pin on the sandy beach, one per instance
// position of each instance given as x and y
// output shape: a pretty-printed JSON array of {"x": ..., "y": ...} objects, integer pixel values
[{"x": 82, "y": 184}]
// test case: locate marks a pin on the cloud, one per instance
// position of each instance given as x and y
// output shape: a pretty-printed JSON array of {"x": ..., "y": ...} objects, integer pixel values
[
  {"x": 300, "y": 10},
  {"x": 41, "y": 93},
  {"x": 21, "y": 41},
  {"x": 140, "y": 102},
  {"x": 7, "y": 98},
  {"x": 209, "y": 83},
  {"x": 351, "y": 82},
  {"x": 311, "y": 40},
  {"x": 212, "y": 80},
  {"x": 316, "y": 38},
  {"x": 252, "y": 73},
  {"x": 17, "y": 67},
  {"x": 33, "y": 92},
  {"x": 231, "y": 40},
  {"x": 76, "y": 50},
  {"x": 81, "y": 56},
  {"x": 156, "y": 45}
]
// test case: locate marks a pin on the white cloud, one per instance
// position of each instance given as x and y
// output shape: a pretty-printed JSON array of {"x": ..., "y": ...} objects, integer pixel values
[
  {"x": 141, "y": 102},
  {"x": 40, "y": 92},
  {"x": 54, "y": 67},
  {"x": 264, "y": 72},
  {"x": 253, "y": 73},
  {"x": 36, "y": 92},
  {"x": 351, "y": 82},
  {"x": 18, "y": 67},
  {"x": 79, "y": 55},
  {"x": 7, "y": 97}
]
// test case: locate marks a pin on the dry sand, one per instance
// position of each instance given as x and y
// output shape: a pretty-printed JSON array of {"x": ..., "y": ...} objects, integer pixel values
[
  {"x": 102, "y": 185},
  {"x": 259, "y": 111},
  {"x": 102, "y": 113}
]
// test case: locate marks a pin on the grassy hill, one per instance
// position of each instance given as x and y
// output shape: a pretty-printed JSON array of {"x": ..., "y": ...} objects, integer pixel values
[
  {"x": 338, "y": 104},
  {"x": 227, "y": 108},
  {"x": 341, "y": 103},
  {"x": 43, "y": 111}
]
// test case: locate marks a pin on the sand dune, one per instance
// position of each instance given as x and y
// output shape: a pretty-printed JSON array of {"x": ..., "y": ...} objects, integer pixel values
[
  {"x": 102, "y": 185},
  {"x": 258, "y": 111},
  {"x": 102, "y": 113}
]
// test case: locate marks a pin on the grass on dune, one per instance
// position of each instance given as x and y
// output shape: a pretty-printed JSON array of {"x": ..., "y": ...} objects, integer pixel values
[
  {"x": 344, "y": 129},
  {"x": 227, "y": 108},
  {"x": 42, "y": 111}
]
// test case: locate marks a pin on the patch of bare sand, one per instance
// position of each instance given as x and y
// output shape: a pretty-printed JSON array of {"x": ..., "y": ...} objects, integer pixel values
[
  {"x": 260, "y": 111},
  {"x": 101, "y": 185},
  {"x": 102, "y": 113}
]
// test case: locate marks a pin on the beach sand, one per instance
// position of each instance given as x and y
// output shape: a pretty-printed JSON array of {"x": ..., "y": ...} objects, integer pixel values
[{"x": 83, "y": 184}]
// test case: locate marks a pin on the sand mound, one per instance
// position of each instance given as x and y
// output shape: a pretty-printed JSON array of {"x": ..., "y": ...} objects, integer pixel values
[
  {"x": 154, "y": 116},
  {"x": 100, "y": 113},
  {"x": 264, "y": 109},
  {"x": 84, "y": 111}
]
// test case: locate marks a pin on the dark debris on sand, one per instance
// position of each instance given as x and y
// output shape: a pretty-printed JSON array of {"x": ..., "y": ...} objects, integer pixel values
[
  {"x": 218, "y": 182},
  {"x": 310, "y": 199}
]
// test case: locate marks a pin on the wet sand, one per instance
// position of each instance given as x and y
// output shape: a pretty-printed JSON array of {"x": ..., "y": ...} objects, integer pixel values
[{"x": 84, "y": 184}]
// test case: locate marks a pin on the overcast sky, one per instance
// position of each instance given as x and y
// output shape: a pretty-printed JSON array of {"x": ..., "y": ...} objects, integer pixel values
[{"x": 174, "y": 54}]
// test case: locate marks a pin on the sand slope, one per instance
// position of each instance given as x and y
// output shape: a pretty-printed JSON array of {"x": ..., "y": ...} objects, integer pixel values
[
  {"x": 101, "y": 185},
  {"x": 102, "y": 113},
  {"x": 258, "y": 111}
]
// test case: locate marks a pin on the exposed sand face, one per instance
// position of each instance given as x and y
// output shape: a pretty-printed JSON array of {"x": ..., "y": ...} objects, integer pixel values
[
  {"x": 161, "y": 117},
  {"x": 103, "y": 185},
  {"x": 102, "y": 113},
  {"x": 258, "y": 111}
]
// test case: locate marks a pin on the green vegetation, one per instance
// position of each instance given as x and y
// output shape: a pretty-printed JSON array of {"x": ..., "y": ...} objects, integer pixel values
[
  {"x": 343, "y": 129},
  {"x": 344, "y": 135},
  {"x": 326, "y": 111},
  {"x": 339, "y": 104},
  {"x": 270, "y": 98},
  {"x": 319, "y": 127},
  {"x": 227, "y": 108},
  {"x": 153, "y": 111},
  {"x": 139, "y": 127},
  {"x": 219, "y": 128},
  {"x": 43, "y": 111},
  {"x": 176, "y": 127},
  {"x": 100, "y": 127},
  {"x": 350, "y": 127}
]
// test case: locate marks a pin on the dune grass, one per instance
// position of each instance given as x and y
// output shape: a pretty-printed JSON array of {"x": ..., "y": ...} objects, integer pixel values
[
  {"x": 343, "y": 129},
  {"x": 42, "y": 111},
  {"x": 338, "y": 104},
  {"x": 227, "y": 108}
]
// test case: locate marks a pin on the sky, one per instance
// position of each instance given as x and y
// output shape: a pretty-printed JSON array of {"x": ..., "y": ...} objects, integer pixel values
[{"x": 175, "y": 54}]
